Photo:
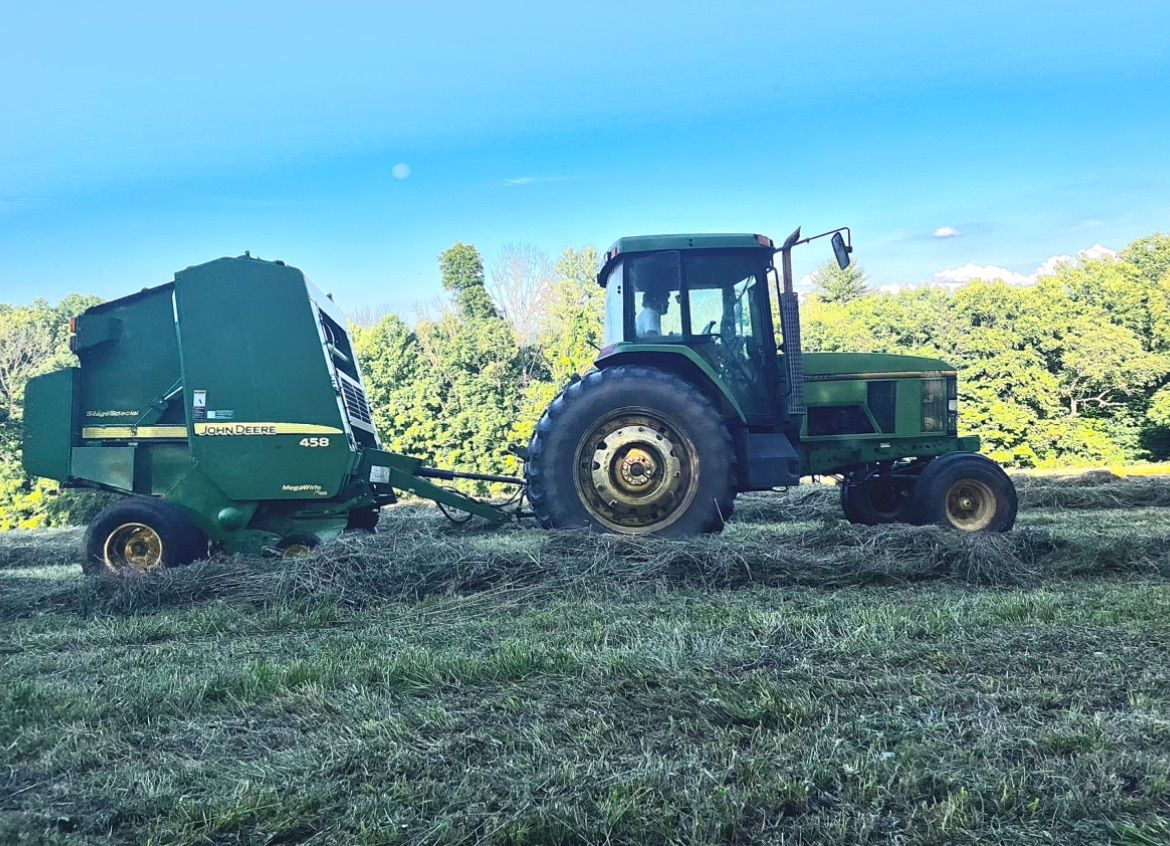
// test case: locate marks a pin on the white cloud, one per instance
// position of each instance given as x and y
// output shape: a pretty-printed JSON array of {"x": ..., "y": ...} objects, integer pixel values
[
  {"x": 1051, "y": 264},
  {"x": 954, "y": 276},
  {"x": 946, "y": 232},
  {"x": 1097, "y": 251},
  {"x": 531, "y": 180},
  {"x": 401, "y": 171},
  {"x": 987, "y": 272}
]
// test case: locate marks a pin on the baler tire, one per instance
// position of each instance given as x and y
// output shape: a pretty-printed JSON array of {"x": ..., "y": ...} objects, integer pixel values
[
  {"x": 296, "y": 545},
  {"x": 180, "y": 540},
  {"x": 967, "y": 492},
  {"x": 555, "y": 490},
  {"x": 861, "y": 507}
]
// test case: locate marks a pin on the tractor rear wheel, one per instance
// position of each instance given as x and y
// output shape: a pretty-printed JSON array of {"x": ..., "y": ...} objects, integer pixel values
[
  {"x": 632, "y": 450},
  {"x": 139, "y": 535},
  {"x": 878, "y": 499},
  {"x": 966, "y": 491}
]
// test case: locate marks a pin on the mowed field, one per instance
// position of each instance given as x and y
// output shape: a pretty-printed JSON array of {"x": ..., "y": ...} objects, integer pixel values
[{"x": 795, "y": 680}]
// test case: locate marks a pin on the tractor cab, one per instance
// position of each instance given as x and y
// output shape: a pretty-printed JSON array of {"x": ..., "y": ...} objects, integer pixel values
[{"x": 705, "y": 296}]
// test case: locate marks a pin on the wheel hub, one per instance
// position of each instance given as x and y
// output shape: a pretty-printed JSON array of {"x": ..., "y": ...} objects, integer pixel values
[
  {"x": 971, "y": 505},
  {"x": 635, "y": 466},
  {"x": 636, "y": 473},
  {"x": 636, "y": 470},
  {"x": 133, "y": 546}
]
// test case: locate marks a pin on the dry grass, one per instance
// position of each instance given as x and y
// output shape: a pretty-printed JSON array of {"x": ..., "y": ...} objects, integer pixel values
[{"x": 794, "y": 680}]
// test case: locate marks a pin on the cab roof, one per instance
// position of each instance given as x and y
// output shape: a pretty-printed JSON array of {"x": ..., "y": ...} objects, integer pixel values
[{"x": 700, "y": 241}]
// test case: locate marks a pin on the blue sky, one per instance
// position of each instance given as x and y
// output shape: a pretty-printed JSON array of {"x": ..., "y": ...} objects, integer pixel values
[{"x": 138, "y": 139}]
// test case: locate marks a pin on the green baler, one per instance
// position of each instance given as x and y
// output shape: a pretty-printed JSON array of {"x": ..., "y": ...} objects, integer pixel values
[{"x": 229, "y": 404}]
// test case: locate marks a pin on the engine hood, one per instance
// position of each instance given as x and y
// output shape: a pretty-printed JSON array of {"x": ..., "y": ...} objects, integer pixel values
[{"x": 827, "y": 367}]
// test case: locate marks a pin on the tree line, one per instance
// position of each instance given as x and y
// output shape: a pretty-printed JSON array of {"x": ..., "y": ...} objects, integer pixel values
[{"x": 1073, "y": 370}]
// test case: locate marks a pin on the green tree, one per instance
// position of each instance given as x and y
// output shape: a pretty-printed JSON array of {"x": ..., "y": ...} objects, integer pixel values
[
  {"x": 840, "y": 285},
  {"x": 1159, "y": 412},
  {"x": 1103, "y": 364},
  {"x": 1150, "y": 255},
  {"x": 34, "y": 339},
  {"x": 570, "y": 336},
  {"x": 461, "y": 268},
  {"x": 451, "y": 389}
]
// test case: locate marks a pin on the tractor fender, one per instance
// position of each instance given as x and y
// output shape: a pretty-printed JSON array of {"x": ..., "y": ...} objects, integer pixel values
[{"x": 686, "y": 363}]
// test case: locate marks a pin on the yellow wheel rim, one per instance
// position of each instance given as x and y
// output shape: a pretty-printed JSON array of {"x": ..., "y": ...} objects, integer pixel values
[
  {"x": 971, "y": 505},
  {"x": 636, "y": 472},
  {"x": 133, "y": 547},
  {"x": 296, "y": 550}
]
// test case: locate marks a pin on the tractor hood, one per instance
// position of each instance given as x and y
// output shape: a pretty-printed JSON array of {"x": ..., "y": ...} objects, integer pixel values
[{"x": 831, "y": 367}]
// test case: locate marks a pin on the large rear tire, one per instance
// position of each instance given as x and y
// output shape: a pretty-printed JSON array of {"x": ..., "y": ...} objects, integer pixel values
[
  {"x": 139, "y": 535},
  {"x": 966, "y": 491},
  {"x": 632, "y": 450}
]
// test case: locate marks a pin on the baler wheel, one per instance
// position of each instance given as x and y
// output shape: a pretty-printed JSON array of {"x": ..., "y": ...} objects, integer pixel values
[
  {"x": 139, "y": 535},
  {"x": 297, "y": 545},
  {"x": 632, "y": 450},
  {"x": 966, "y": 491}
]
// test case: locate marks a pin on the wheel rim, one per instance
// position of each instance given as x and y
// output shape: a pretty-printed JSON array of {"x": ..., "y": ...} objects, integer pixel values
[
  {"x": 636, "y": 472},
  {"x": 133, "y": 546},
  {"x": 971, "y": 505},
  {"x": 296, "y": 550}
]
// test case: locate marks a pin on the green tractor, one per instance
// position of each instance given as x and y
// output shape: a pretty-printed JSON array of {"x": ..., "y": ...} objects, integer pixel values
[{"x": 698, "y": 395}]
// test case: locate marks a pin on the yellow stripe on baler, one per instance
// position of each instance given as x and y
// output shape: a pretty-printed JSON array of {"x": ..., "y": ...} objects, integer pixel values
[
  {"x": 122, "y": 433},
  {"x": 251, "y": 429},
  {"x": 232, "y": 429}
]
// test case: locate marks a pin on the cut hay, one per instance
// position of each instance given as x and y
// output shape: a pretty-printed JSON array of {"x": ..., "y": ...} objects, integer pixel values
[
  {"x": 796, "y": 538},
  {"x": 40, "y": 548},
  {"x": 1095, "y": 490},
  {"x": 416, "y": 561}
]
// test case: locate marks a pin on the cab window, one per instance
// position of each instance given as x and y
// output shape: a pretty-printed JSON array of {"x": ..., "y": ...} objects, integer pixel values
[{"x": 656, "y": 282}]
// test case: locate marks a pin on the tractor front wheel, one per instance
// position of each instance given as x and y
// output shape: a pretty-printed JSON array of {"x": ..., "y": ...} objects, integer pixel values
[
  {"x": 966, "y": 491},
  {"x": 632, "y": 450},
  {"x": 139, "y": 535}
]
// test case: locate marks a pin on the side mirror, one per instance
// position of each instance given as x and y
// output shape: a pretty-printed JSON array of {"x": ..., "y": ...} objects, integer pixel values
[{"x": 840, "y": 250}]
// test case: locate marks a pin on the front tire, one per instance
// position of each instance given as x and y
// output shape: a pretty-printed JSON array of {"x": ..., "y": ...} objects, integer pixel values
[
  {"x": 139, "y": 535},
  {"x": 632, "y": 450},
  {"x": 968, "y": 492}
]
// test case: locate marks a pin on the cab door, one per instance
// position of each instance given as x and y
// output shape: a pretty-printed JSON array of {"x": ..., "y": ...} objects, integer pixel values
[{"x": 727, "y": 321}]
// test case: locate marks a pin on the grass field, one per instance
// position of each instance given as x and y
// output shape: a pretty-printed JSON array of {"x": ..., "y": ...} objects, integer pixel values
[{"x": 796, "y": 680}]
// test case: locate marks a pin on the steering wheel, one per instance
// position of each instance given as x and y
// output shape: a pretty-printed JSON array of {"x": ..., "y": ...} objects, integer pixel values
[{"x": 707, "y": 329}]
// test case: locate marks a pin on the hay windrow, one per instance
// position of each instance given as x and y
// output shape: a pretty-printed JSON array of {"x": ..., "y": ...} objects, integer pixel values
[
  {"x": 39, "y": 548},
  {"x": 792, "y": 539},
  {"x": 1094, "y": 490},
  {"x": 402, "y": 565}
]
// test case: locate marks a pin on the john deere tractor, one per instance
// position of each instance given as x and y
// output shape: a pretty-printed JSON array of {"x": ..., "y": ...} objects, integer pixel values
[{"x": 698, "y": 395}]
